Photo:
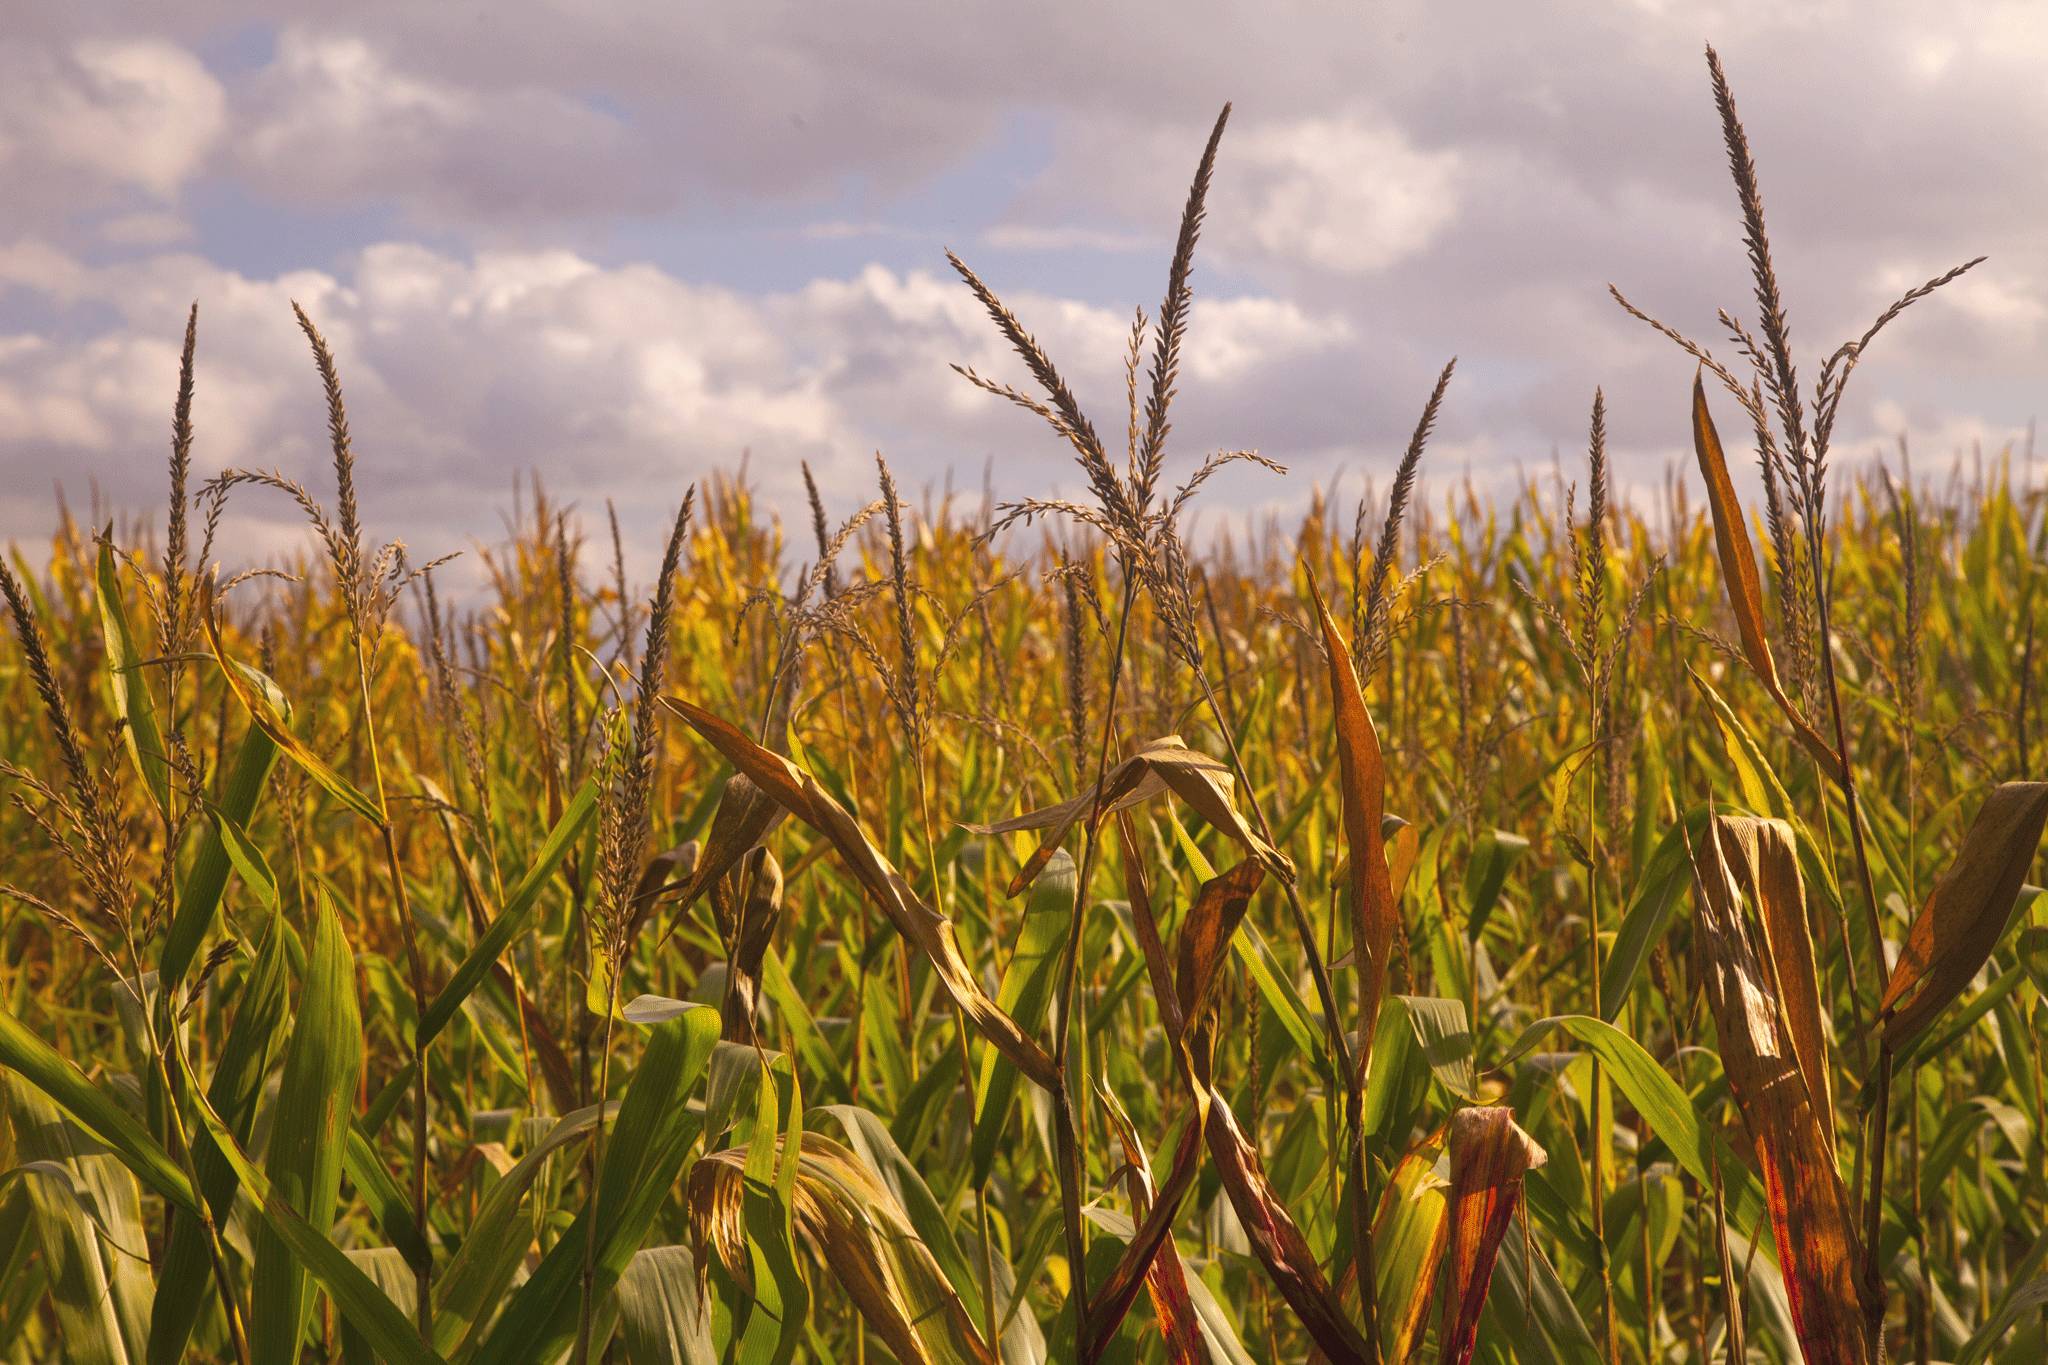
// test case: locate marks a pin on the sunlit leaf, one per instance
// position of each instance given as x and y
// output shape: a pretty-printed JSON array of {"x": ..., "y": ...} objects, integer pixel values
[{"x": 1966, "y": 913}]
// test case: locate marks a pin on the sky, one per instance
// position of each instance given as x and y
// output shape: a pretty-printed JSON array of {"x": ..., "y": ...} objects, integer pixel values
[{"x": 620, "y": 245}]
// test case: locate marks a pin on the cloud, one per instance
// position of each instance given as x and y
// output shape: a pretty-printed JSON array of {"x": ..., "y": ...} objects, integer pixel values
[
  {"x": 145, "y": 229},
  {"x": 1033, "y": 237},
  {"x": 1316, "y": 207},
  {"x": 644, "y": 239},
  {"x": 332, "y": 120},
  {"x": 96, "y": 119},
  {"x": 464, "y": 371}
]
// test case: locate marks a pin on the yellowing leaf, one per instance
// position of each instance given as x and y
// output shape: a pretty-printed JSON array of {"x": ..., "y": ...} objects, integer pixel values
[
  {"x": 1165, "y": 764},
  {"x": 856, "y": 1231},
  {"x": 257, "y": 695},
  {"x": 132, "y": 700},
  {"x": 927, "y": 929}
]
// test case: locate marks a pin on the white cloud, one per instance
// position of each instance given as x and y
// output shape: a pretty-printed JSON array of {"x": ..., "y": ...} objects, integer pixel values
[
  {"x": 102, "y": 114},
  {"x": 1341, "y": 195},
  {"x": 462, "y": 372},
  {"x": 1446, "y": 178},
  {"x": 334, "y": 119}
]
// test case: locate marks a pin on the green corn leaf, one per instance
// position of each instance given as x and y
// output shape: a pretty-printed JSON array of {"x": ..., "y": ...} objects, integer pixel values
[
  {"x": 1670, "y": 1114},
  {"x": 1025, "y": 995},
  {"x": 132, "y": 700},
  {"x": 309, "y": 1137},
  {"x": 381, "y": 1322},
  {"x": 388, "y": 1204},
  {"x": 1445, "y": 1037},
  {"x": 643, "y": 1152},
  {"x": 186, "y": 1275},
  {"x": 1660, "y": 890},
  {"x": 92, "y": 1109},
  {"x": 89, "y": 1225},
  {"x": 208, "y": 875},
  {"x": 482, "y": 1269},
  {"x": 662, "y": 1319},
  {"x": 476, "y": 965},
  {"x": 1494, "y": 855}
]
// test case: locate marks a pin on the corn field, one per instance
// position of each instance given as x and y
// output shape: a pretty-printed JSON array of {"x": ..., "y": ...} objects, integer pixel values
[{"x": 1549, "y": 927}]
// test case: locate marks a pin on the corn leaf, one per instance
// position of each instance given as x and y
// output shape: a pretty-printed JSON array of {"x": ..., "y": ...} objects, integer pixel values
[
  {"x": 928, "y": 930},
  {"x": 1672, "y": 1116},
  {"x": 1494, "y": 855},
  {"x": 1362, "y": 778},
  {"x": 1408, "y": 1235},
  {"x": 309, "y": 1136},
  {"x": 854, "y": 1231},
  {"x": 663, "y": 1319},
  {"x": 1659, "y": 890},
  {"x": 1966, "y": 913},
  {"x": 1763, "y": 859},
  {"x": 1740, "y": 578},
  {"x": 482, "y": 1268},
  {"x": 643, "y": 1152},
  {"x": 92, "y": 1109},
  {"x": 1811, "y": 1218},
  {"x": 355, "y": 1294},
  {"x": 1162, "y": 765},
  {"x": 1025, "y": 994},
  {"x": 199, "y": 898},
  {"x": 1489, "y": 1155},
  {"x": 476, "y": 964},
  {"x": 256, "y": 693},
  {"x": 90, "y": 1232},
  {"x": 132, "y": 700},
  {"x": 186, "y": 1274}
]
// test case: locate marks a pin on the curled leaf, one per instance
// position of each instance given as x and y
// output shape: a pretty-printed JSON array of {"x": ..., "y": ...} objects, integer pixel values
[
  {"x": 855, "y": 1230},
  {"x": 1165, "y": 764},
  {"x": 1811, "y": 1218},
  {"x": 1205, "y": 938},
  {"x": 745, "y": 816},
  {"x": 748, "y": 928},
  {"x": 1489, "y": 1156},
  {"x": 1966, "y": 913}
]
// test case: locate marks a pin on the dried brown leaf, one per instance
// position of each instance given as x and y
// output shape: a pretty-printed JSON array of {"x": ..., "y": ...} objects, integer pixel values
[
  {"x": 1764, "y": 859},
  {"x": 1811, "y": 1218},
  {"x": 1362, "y": 783},
  {"x": 1966, "y": 913},
  {"x": 1489, "y": 1156},
  {"x": 1739, "y": 576},
  {"x": 1165, "y": 1275}
]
